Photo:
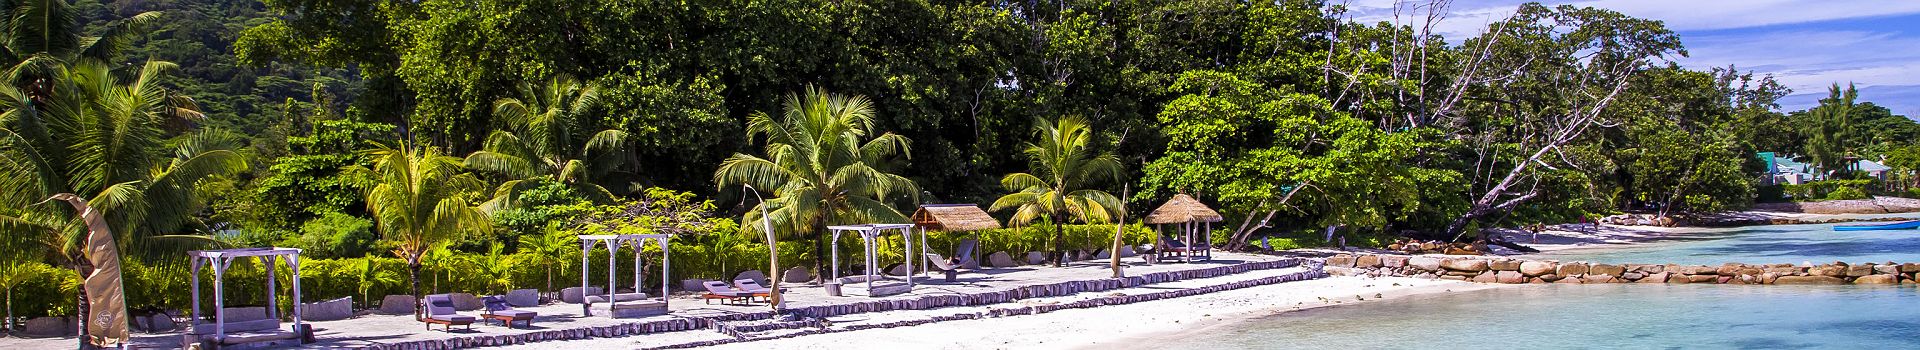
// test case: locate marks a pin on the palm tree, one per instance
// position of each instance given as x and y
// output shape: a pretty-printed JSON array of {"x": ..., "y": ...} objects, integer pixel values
[
  {"x": 543, "y": 138},
  {"x": 550, "y": 248},
  {"x": 84, "y": 129},
  {"x": 421, "y": 199},
  {"x": 1063, "y": 168},
  {"x": 43, "y": 32},
  {"x": 372, "y": 276},
  {"x": 820, "y": 161}
]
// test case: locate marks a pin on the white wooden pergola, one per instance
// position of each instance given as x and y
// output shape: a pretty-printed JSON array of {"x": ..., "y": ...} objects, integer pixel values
[
  {"x": 869, "y": 236},
  {"x": 613, "y": 243},
  {"x": 220, "y": 260}
]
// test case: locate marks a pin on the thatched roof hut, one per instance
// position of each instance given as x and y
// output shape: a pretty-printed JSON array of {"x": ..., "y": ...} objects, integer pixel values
[
  {"x": 1183, "y": 209},
  {"x": 953, "y": 217}
]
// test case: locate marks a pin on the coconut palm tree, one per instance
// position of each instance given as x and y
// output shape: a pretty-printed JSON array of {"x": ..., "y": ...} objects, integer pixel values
[
  {"x": 821, "y": 161},
  {"x": 550, "y": 248},
  {"x": 1063, "y": 169},
  {"x": 370, "y": 277},
  {"x": 421, "y": 199},
  {"x": 544, "y": 137}
]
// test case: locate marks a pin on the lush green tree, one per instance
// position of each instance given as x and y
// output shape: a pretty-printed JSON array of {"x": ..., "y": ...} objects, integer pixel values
[
  {"x": 1264, "y": 151},
  {"x": 1831, "y": 133},
  {"x": 823, "y": 163},
  {"x": 552, "y": 246},
  {"x": 546, "y": 134},
  {"x": 422, "y": 199},
  {"x": 1067, "y": 162}
]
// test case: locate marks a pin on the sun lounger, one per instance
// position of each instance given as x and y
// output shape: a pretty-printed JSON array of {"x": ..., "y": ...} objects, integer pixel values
[
  {"x": 498, "y": 309},
  {"x": 720, "y": 290},
  {"x": 439, "y": 310},
  {"x": 1169, "y": 247},
  {"x": 754, "y": 289}
]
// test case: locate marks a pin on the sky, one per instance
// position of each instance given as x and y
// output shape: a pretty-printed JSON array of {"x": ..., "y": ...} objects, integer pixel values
[{"x": 1806, "y": 45}]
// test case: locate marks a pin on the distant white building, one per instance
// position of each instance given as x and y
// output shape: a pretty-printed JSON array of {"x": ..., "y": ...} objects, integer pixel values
[{"x": 1786, "y": 171}]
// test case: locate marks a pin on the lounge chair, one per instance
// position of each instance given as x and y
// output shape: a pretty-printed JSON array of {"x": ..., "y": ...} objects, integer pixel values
[
  {"x": 439, "y": 310},
  {"x": 1170, "y": 247},
  {"x": 754, "y": 289},
  {"x": 498, "y": 309},
  {"x": 720, "y": 290},
  {"x": 951, "y": 266}
]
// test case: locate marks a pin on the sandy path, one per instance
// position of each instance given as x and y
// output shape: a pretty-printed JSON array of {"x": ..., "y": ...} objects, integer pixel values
[{"x": 1121, "y": 325}]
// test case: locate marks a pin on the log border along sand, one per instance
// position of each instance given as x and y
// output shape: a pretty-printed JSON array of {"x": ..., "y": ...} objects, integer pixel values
[
  {"x": 1514, "y": 271},
  {"x": 718, "y": 322}
]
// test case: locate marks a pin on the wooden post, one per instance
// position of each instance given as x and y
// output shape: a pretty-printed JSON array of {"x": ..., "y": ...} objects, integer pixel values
[
  {"x": 273, "y": 301},
  {"x": 586, "y": 247}
]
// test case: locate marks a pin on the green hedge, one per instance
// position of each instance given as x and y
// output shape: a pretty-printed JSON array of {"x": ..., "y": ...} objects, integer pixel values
[
  {"x": 1825, "y": 190},
  {"x": 156, "y": 287}
]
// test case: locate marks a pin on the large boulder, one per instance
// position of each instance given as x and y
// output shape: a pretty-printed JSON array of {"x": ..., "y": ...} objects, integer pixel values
[
  {"x": 1877, "y": 279},
  {"x": 397, "y": 305},
  {"x": 1809, "y": 280},
  {"x": 573, "y": 295},
  {"x": 1510, "y": 277},
  {"x": 526, "y": 297},
  {"x": 1572, "y": 269},
  {"x": 1503, "y": 265},
  {"x": 1828, "y": 270},
  {"x": 1424, "y": 263},
  {"x": 1646, "y": 269},
  {"x": 1704, "y": 278},
  {"x": 1341, "y": 260},
  {"x": 1909, "y": 268},
  {"x": 466, "y": 302},
  {"x": 1785, "y": 270},
  {"x": 1469, "y": 265},
  {"x": 1001, "y": 260},
  {"x": 1653, "y": 278},
  {"x": 1692, "y": 269},
  {"x": 337, "y": 309},
  {"x": 1366, "y": 261},
  {"x": 1036, "y": 258},
  {"x": 1886, "y": 269},
  {"x": 1536, "y": 268},
  {"x": 797, "y": 275},
  {"x": 49, "y": 327},
  {"x": 1393, "y": 261},
  {"x": 1859, "y": 270},
  {"x": 1598, "y": 278},
  {"x": 755, "y": 275},
  {"x": 1485, "y": 277},
  {"x": 1605, "y": 269}
]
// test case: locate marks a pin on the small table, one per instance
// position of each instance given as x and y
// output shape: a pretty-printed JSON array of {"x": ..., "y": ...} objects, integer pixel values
[{"x": 507, "y": 317}]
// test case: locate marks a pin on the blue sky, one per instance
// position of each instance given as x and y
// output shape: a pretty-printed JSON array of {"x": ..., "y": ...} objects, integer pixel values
[{"x": 1805, "y": 44}]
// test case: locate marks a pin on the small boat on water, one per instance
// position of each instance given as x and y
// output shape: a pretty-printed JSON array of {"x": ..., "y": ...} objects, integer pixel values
[{"x": 1897, "y": 225}]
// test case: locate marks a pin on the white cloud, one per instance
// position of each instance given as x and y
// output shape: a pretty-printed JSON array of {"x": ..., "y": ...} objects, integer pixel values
[
  {"x": 1806, "y": 60},
  {"x": 1466, "y": 19}
]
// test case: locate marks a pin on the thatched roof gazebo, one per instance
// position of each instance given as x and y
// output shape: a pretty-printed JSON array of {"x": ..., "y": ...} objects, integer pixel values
[
  {"x": 1190, "y": 217},
  {"x": 1183, "y": 209},
  {"x": 953, "y": 218}
]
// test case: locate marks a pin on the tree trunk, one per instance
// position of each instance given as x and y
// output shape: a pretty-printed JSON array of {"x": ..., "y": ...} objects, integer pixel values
[
  {"x": 413, "y": 274},
  {"x": 81, "y": 312},
  {"x": 1059, "y": 255}
]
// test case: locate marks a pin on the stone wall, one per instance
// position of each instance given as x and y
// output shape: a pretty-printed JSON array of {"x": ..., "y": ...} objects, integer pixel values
[{"x": 1506, "y": 270}]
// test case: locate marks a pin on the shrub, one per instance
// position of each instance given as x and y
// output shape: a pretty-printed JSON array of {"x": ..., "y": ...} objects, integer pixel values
[
  {"x": 1844, "y": 193},
  {"x": 1821, "y": 190},
  {"x": 336, "y": 235}
]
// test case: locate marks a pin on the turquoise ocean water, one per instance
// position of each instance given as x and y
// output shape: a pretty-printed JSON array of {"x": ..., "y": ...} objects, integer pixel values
[{"x": 1630, "y": 316}]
